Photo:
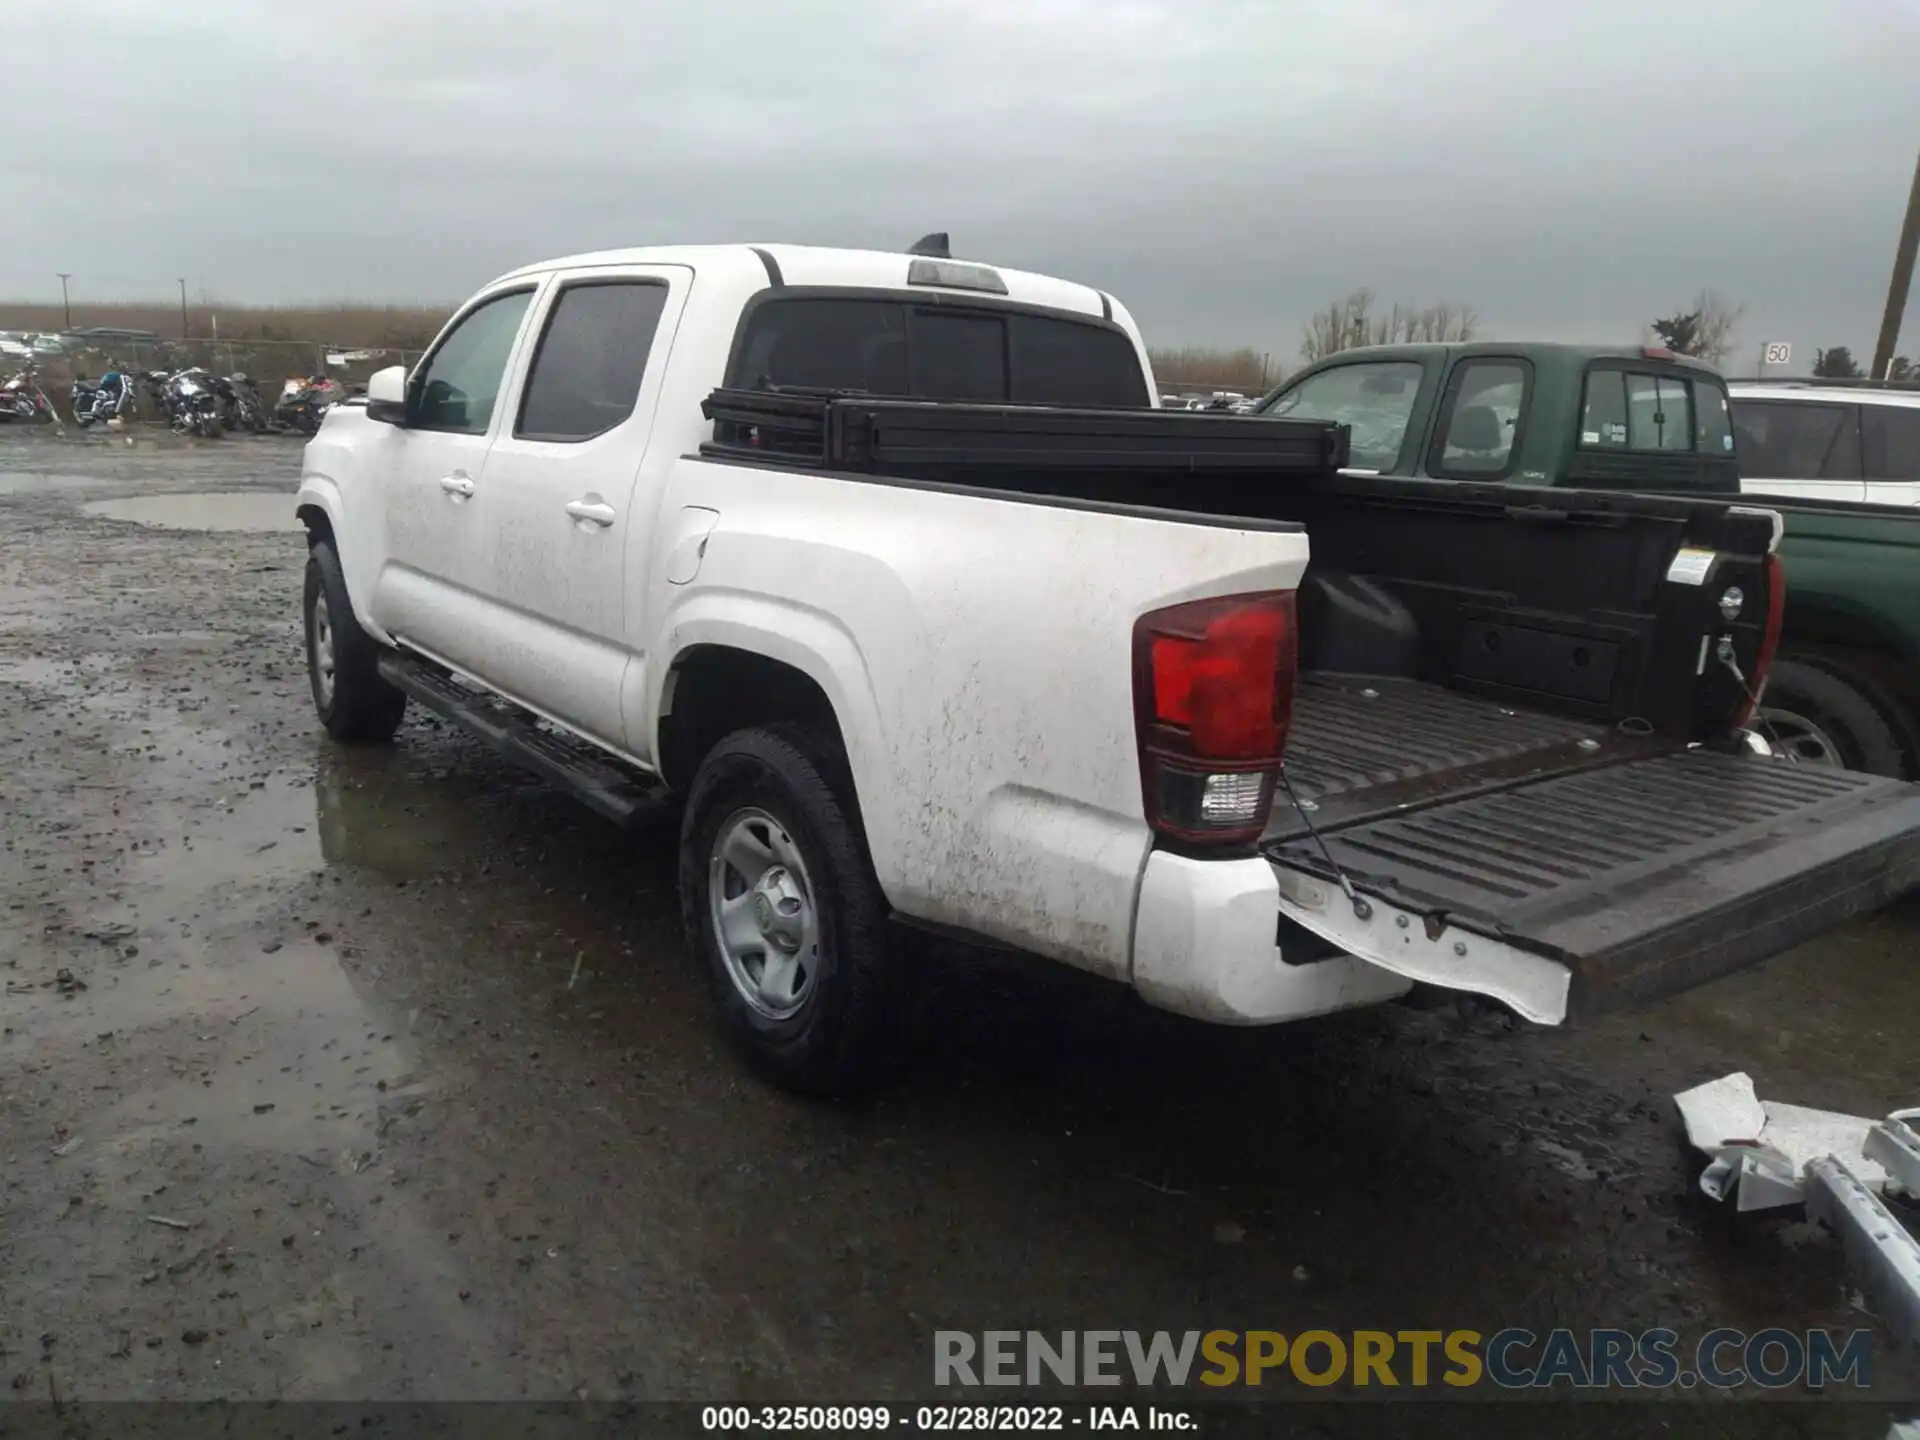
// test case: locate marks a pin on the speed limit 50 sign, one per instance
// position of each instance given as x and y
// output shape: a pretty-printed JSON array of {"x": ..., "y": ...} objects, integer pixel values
[{"x": 1777, "y": 353}]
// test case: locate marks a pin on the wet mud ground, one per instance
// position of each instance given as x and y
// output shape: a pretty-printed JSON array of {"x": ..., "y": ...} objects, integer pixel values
[{"x": 382, "y": 1074}]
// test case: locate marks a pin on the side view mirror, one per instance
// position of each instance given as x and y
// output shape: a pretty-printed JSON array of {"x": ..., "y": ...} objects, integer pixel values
[{"x": 387, "y": 395}]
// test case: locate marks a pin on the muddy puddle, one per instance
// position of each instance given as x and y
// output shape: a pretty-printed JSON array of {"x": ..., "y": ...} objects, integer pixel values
[{"x": 209, "y": 510}]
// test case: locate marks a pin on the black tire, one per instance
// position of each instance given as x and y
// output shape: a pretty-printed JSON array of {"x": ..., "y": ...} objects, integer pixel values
[
  {"x": 359, "y": 706},
  {"x": 1816, "y": 712},
  {"x": 839, "y": 1041}
]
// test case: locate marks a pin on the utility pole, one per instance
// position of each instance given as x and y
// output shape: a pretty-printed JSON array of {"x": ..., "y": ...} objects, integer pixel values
[
  {"x": 1902, "y": 281},
  {"x": 65, "y": 275},
  {"x": 183, "y": 307}
]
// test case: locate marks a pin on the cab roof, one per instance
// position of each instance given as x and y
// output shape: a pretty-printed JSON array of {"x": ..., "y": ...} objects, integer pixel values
[
  {"x": 813, "y": 265},
  {"x": 1525, "y": 349},
  {"x": 1814, "y": 390}
]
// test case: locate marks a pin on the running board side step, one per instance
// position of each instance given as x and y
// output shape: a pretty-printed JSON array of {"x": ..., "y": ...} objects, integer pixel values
[{"x": 572, "y": 765}]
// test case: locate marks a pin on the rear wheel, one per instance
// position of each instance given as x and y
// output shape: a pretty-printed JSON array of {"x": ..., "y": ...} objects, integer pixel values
[
  {"x": 353, "y": 701},
  {"x": 1816, "y": 714},
  {"x": 782, "y": 909}
]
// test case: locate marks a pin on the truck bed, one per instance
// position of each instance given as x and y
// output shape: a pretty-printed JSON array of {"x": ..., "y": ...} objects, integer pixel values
[{"x": 1365, "y": 745}]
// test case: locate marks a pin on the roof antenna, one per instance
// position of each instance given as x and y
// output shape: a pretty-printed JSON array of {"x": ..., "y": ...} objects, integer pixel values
[{"x": 936, "y": 245}]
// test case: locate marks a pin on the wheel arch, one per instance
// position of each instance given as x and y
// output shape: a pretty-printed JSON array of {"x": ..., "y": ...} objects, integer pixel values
[{"x": 760, "y": 666}]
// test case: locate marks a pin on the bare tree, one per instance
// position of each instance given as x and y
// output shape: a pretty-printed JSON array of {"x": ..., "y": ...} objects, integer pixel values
[
  {"x": 1705, "y": 331},
  {"x": 1343, "y": 325},
  {"x": 1350, "y": 322}
]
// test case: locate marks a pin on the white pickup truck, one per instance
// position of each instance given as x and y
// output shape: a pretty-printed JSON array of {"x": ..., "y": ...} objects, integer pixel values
[{"x": 890, "y": 567}]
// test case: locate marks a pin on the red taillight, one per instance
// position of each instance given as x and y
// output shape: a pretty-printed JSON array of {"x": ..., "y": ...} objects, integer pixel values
[
  {"x": 1769, "y": 638},
  {"x": 1656, "y": 352},
  {"x": 1213, "y": 695}
]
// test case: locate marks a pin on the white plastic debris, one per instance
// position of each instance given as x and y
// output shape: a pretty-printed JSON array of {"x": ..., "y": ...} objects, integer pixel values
[
  {"x": 1765, "y": 1154},
  {"x": 1759, "y": 1149}
]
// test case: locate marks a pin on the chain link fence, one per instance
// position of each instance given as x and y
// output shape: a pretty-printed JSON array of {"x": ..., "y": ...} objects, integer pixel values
[{"x": 268, "y": 363}]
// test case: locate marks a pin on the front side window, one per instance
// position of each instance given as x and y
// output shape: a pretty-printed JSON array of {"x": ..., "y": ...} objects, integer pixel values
[
  {"x": 593, "y": 355},
  {"x": 1483, "y": 418},
  {"x": 1374, "y": 399},
  {"x": 1784, "y": 440},
  {"x": 460, "y": 383}
]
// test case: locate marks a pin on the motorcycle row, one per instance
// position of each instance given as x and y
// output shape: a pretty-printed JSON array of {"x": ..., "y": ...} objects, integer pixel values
[{"x": 193, "y": 401}]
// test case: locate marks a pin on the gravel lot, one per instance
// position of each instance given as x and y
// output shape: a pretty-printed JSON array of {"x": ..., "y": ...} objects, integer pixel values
[{"x": 382, "y": 1074}]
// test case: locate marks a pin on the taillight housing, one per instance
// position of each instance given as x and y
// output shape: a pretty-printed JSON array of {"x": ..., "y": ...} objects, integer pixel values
[
  {"x": 1769, "y": 639},
  {"x": 1213, "y": 697}
]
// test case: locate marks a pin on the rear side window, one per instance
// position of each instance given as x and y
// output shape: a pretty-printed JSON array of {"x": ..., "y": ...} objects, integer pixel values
[
  {"x": 891, "y": 347},
  {"x": 593, "y": 355},
  {"x": 1482, "y": 418},
  {"x": 1891, "y": 440},
  {"x": 1783, "y": 440}
]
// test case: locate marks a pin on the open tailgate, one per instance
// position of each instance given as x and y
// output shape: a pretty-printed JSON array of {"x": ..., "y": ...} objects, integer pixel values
[{"x": 1573, "y": 894}]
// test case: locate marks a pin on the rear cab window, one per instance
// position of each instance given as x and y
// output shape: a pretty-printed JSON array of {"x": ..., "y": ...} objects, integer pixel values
[
  {"x": 1629, "y": 409},
  {"x": 1653, "y": 423},
  {"x": 911, "y": 348}
]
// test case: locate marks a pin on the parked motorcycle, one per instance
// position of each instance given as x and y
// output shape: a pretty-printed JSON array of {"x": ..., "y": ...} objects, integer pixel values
[
  {"x": 111, "y": 398},
  {"x": 22, "y": 401},
  {"x": 194, "y": 403},
  {"x": 304, "y": 402},
  {"x": 245, "y": 409}
]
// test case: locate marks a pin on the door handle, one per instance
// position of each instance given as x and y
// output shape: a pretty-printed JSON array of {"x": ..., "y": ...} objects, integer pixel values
[
  {"x": 457, "y": 485},
  {"x": 591, "y": 512}
]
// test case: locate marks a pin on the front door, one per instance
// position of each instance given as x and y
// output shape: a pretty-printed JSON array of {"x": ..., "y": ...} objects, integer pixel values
[
  {"x": 561, "y": 526},
  {"x": 433, "y": 563}
]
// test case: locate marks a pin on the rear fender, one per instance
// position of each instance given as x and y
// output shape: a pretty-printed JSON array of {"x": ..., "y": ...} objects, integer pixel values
[{"x": 812, "y": 643}]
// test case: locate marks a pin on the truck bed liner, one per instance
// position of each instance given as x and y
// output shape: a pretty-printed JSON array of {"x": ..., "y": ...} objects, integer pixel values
[{"x": 1363, "y": 746}]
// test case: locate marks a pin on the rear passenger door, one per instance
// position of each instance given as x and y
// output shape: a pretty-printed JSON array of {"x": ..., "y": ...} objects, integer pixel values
[
  {"x": 1803, "y": 449},
  {"x": 1890, "y": 448},
  {"x": 558, "y": 498}
]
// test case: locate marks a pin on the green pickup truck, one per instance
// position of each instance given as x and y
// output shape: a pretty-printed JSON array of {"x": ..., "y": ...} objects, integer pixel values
[{"x": 1846, "y": 687}]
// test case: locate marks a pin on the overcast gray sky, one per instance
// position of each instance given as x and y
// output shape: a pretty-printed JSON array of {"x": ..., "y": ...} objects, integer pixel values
[{"x": 1226, "y": 166}]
